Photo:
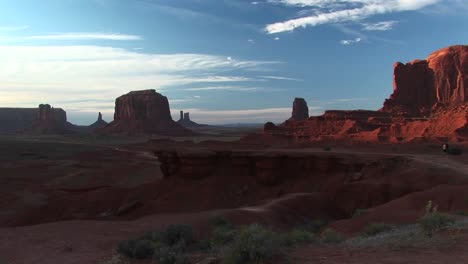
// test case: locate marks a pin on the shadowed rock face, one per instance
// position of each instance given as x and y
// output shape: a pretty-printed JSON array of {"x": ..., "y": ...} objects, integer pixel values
[
  {"x": 142, "y": 105},
  {"x": 300, "y": 110},
  {"x": 143, "y": 112},
  {"x": 424, "y": 85},
  {"x": 99, "y": 123},
  {"x": 51, "y": 121}
]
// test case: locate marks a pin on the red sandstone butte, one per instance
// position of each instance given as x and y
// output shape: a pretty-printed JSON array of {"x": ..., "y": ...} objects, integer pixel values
[
  {"x": 143, "y": 112},
  {"x": 300, "y": 110},
  {"x": 422, "y": 86},
  {"x": 429, "y": 102}
]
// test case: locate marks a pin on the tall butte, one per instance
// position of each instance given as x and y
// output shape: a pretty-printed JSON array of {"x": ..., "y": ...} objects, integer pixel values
[
  {"x": 422, "y": 86},
  {"x": 144, "y": 112}
]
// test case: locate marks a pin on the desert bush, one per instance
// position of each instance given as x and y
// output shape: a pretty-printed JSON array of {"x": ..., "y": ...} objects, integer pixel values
[
  {"x": 376, "y": 228},
  {"x": 136, "y": 248},
  {"x": 253, "y": 244},
  {"x": 330, "y": 235},
  {"x": 169, "y": 255},
  {"x": 433, "y": 221},
  {"x": 298, "y": 236},
  {"x": 175, "y": 238},
  {"x": 327, "y": 148}
]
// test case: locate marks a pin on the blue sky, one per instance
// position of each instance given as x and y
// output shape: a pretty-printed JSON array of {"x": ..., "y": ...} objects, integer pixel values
[{"x": 225, "y": 61}]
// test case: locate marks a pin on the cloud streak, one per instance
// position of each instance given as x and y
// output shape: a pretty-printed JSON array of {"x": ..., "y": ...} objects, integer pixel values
[
  {"x": 13, "y": 28},
  {"x": 78, "y": 36},
  {"x": 338, "y": 11},
  {"x": 379, "y": 26},
  {"x": 36, "y": 74}
]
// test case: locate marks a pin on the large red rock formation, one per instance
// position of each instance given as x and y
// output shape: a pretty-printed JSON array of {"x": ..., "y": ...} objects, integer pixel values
[
  {"x": 51, "y": 120},
  {"x": 422, "y": 86},
  {"x": 143, "y": 112},
  {"x": 429, "y": 102},
  {"x": 300, "y": 110}
]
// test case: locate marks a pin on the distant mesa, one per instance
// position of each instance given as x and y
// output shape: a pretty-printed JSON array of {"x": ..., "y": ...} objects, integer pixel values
[
  {"x": 185, "y": 121},
  {"x": 143, "y": 113},
  {"x": 300, "y": 110},
  {"x": 429, "y": 102}
]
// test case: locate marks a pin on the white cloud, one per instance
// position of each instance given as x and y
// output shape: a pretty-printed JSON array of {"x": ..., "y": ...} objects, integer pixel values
[
  {"x": 78, "y": 36},
  {"x": 379, "y": 26},
  {"x": 281, "y": 78},
  {"x": 222, "y": 88},
  {"x": 350, "y": 41},
  {"x": 30, "y": 75},
  {"x": 350, "y": 10}
]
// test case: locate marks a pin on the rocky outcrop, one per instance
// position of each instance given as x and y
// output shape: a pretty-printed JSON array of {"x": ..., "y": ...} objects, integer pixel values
[
  {"x": 143, "y": 112},
  {"x": 186, "y": 122},
  {"x": 429, "y": 102},
  {"x": 300, "y": 110},
  {"x": 422, "y": 86},
  {"x": 51, "y": 120},
  {"x": 100, "y": 123}
]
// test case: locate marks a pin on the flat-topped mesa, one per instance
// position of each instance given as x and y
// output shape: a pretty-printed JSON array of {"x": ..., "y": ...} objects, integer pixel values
[
  {"x": 142, "y": 105},
  {"x": 300, "y": 110},
  {"x": 422, "y": 86},
  {"x": 143, "y": 112}
]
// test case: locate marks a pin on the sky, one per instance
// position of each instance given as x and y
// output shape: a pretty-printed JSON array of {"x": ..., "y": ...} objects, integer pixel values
[{"x": 224, "y": 61}]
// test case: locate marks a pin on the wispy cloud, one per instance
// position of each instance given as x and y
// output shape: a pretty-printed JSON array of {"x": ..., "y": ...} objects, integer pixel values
[
  {"x": 35, "y": 74},
  {"x": 78, "y": 36},
  {"x": 222, "y": 88},
  {"x": 281, "y": 78},
  {"x": 379, "y": 26},
  {"x": 350, "y": 41},
  {"x": 338, "y": 11},
  {"x": 13, "y": 28}
]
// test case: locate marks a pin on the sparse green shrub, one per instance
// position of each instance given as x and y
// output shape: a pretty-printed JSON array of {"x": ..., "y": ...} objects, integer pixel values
[
  {"x": 433, "y": 221},
  {"x": 221, "y": 236},
  {"x": 136, "y": 248},
  {"x": 360, "y": 212},
  {"x": 253, "y": 244},
  {"x": 327, "y": 148},
  {"x": 455, "y": 151},
  {"x": 297, "y": 236},
  {"x": 330, "y": 235},
  {"x": 169, "y": 255},
  {"x": 376, "y": 228},
  {"x": 160, "y": 243},
  {"x": 177, "y": 235},
  {"x": 315, "y": 225}
]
